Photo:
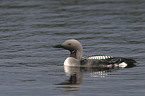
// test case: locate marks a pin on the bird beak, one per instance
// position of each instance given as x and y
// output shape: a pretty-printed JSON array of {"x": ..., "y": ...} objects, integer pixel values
[{"x": 58, "y": 46}]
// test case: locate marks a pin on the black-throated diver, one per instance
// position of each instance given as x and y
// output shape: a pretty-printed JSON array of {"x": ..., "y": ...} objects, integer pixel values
[{"x": 76, "y": 57}]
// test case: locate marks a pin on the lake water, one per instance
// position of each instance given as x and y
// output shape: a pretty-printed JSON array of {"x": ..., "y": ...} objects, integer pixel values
[{"x": 30, "y": 66}]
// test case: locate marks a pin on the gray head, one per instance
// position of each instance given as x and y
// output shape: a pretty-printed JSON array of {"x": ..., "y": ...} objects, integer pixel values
[{"x": 74, "y": 46}]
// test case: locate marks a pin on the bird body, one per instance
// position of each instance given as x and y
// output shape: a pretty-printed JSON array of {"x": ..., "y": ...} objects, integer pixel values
[{"x": 76, "y": 57}]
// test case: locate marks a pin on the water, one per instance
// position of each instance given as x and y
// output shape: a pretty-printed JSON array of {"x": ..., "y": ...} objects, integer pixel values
[{"x": 30, "y": 66}]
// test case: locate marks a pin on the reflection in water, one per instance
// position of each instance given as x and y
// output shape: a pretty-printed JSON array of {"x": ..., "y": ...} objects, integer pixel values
[
  {"x": 76, "y": 76},
  {"x": 75, "y": 79},
  {"x": 75, "y": 73},
  {"x": 93, "y": 71}
]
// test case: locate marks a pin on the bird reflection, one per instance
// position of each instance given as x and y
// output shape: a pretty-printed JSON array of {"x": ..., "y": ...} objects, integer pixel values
[
  {"x": 76, "y": 76},
  {"x": 76, "y": 73}
]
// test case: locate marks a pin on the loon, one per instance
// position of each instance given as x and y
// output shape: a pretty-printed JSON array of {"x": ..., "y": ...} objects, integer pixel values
[{"x": 77, "y": 59}]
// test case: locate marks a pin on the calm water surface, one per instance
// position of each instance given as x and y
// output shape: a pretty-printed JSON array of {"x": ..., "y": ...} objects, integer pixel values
[{"x": 30, "y": 66}]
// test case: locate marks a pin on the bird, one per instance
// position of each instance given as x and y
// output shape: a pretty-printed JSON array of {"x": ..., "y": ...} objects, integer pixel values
[{"x": 77, "y": 59}]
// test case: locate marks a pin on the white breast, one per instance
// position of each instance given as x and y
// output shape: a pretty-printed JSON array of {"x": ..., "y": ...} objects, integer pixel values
[{"x": 70, "y": 61}]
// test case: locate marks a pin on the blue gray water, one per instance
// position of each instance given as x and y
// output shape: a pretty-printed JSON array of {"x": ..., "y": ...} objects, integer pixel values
[{"x": 30, "y": 66}]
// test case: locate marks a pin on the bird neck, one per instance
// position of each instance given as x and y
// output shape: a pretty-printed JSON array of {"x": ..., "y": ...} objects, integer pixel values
[{"x": 77, "y": 54}]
